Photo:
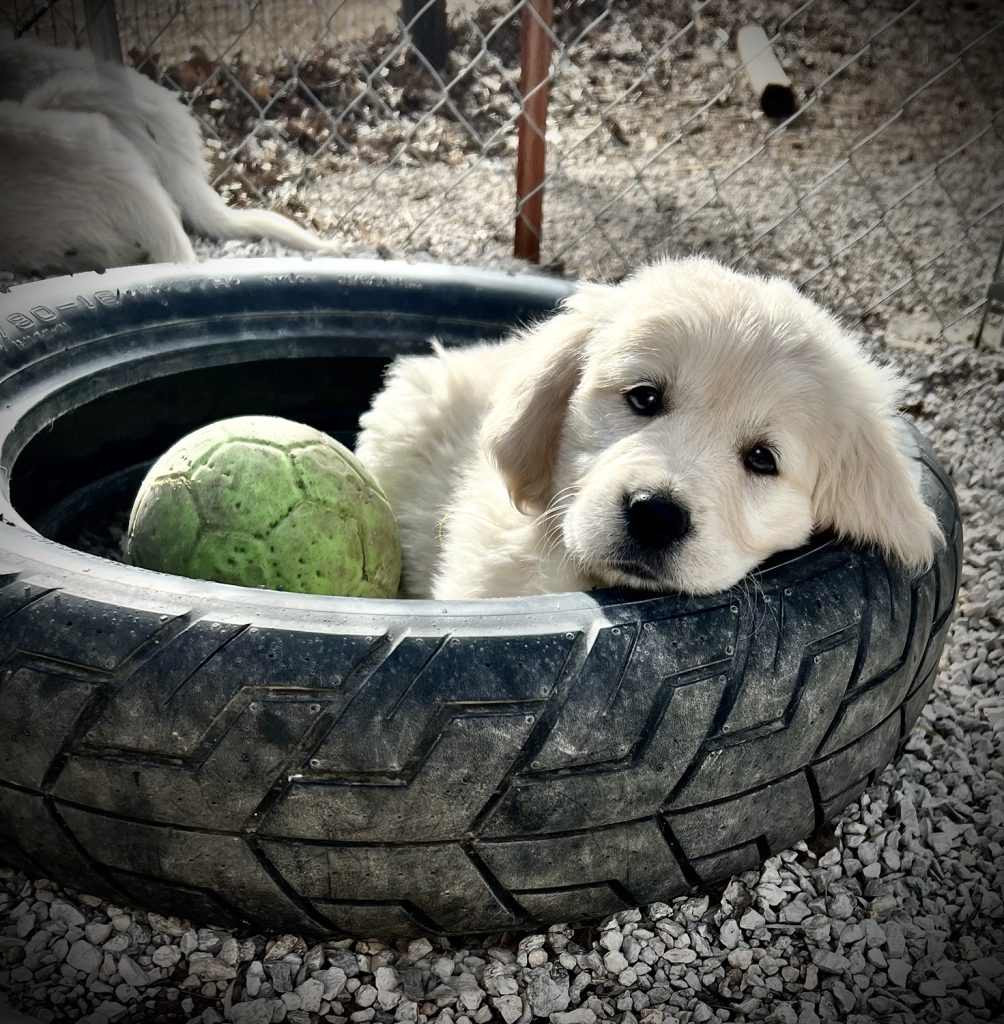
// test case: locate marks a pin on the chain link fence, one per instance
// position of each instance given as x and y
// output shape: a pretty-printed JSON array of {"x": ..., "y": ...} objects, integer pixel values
[{"x": 882, "y": 193}]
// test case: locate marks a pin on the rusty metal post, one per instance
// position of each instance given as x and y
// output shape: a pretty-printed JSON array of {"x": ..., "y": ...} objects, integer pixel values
[
  {"x": 103, "y": 30},
  {"x": 993, "y": 307},
  {"x": 534, "y": 89}
]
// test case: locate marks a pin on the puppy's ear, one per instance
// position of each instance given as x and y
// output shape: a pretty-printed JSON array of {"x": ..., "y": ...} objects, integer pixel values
[
  {"x": 522, "y": 432},
  {"x": 866, "y": 489}
]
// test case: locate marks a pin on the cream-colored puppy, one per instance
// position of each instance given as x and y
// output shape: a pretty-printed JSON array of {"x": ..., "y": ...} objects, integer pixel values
[
  {"x": 666, "y": 433},
  {"x": 102, "y": 167}
]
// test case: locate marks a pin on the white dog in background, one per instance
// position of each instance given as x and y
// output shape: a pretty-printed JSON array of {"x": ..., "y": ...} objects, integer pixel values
[
  {"x": 668, "y": 433},
  {"x": 100, "y": 167}
]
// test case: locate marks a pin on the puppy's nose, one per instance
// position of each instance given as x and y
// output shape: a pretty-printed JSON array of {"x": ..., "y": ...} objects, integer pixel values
[{"x": 655, "y": 520}]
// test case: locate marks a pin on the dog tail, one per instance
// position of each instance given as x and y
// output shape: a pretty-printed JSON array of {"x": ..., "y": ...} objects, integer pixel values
[{"x": 206, "y": 213}]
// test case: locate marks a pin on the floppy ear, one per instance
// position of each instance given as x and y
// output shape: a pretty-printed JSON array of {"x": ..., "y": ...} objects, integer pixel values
[
  {"x": 866, "y": 489},
  {"x": 522, "y": 432}
]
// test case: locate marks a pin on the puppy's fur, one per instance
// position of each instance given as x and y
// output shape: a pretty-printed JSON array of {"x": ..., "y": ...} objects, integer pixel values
[
  {"x": 510, "y": 466},
  {"x": 102, "y": 167}
]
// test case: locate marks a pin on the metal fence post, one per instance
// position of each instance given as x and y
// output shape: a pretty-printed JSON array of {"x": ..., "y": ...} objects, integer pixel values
[
  {"x": 103, "y": 30},
  {"x": 994, "y": 305},
  {"x": 530, "y": 157},
  {"x": 427, "y": 24}
]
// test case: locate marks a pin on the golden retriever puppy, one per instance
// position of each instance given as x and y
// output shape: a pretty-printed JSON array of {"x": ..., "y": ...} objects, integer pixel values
[
  {"x": 667, "y": 433},
  {"x": 102, "y": 167}
]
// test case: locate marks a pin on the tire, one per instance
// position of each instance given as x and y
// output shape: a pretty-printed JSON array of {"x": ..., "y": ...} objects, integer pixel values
[{"x": 380, "y": 767}]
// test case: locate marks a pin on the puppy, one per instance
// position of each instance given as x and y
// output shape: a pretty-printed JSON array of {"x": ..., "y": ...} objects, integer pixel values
[
  {"x": 668, "y": 433},
  {"x": 102, "y": 167}
]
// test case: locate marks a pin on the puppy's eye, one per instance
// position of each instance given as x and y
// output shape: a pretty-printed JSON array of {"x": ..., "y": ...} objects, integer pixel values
[
  {"x": 760, "y": 460},
  {"x": 644, "y": 399}
]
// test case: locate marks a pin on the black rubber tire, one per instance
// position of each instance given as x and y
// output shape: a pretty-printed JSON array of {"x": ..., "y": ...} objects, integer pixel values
[{"x": 373, "y": 767}]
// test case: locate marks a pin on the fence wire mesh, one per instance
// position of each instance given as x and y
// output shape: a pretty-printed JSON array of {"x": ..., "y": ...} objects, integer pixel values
[{"x": 882, "y": 194}]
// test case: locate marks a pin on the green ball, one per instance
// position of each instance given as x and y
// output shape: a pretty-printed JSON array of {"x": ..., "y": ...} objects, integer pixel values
[{"x": 259, "y": 501}]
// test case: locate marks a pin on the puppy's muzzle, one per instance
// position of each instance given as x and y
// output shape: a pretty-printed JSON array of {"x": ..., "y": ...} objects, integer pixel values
[{"x": 655, "y": 521}]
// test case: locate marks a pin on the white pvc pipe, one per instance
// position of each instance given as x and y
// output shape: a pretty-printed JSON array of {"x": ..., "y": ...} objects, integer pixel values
[{"x": 771, "y": 86}]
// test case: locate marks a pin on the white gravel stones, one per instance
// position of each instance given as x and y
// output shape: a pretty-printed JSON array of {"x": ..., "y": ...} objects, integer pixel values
[
  {"x": 67, "y": 914},
  {"x": 333, "y": 979},
  {"x": 832, "y": 963},
  {"x": 510, "y": 1008},
  {"x": 365, "y": 995},
  {"x": 741, "y": 958},
  {"x": 386, "y": 979},
  {"x": 443, "y": 967},
  {"x": 730, "y": 934},
  {"x": 989, "y": 967},
  {"x": 751, "y": 920},
  {"x": 841, "y": 905},
  {"x": 584, "y": 1015},
  {"x": 257, "y": 1012},
  {"x": 615, "y": 961},
  {"x": 898, "y": 972},
  {"x": 229, "y": 951},
  {"x": 470, "y": 999},
  {"x": 547, "y": 990},
  {"x": 84, "y": 957},
  {"x": 817, "y": 928},
  {"x": 209, "y": 968},
  {"x": 311, "y": 992},
  {"x": 132, "y": 973},
  {"x": 166, "y": 956},
  {"x": 418, "y": 949},
  {"x": 98, "y": 932}
]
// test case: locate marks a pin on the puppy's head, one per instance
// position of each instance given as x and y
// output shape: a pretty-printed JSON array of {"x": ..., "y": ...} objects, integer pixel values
[{"x": 685, "y": 425}]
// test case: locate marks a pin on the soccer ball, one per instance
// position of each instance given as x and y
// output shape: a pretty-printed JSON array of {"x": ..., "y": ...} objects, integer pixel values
[{"x": 260, "y": 501}]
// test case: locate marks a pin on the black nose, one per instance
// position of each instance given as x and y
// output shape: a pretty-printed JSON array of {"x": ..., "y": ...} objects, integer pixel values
[{"x": 655, "y": 520}]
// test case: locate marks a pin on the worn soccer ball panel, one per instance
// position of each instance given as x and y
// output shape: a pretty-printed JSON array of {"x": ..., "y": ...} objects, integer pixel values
[{"x": 261, "y": 501}]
